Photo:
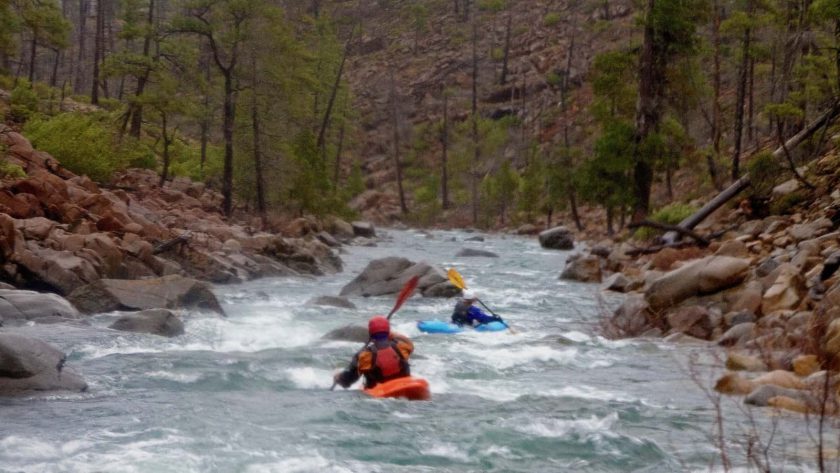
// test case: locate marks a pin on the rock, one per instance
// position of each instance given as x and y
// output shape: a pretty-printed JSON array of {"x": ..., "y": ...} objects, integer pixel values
[
  {"x": 61, "y": 271},
  {"x": 808, "y": 230},
  {"x": 300, "y": 227},
  {"x": 601, "y": 251},
  {"x": 154, "y": 321},
  {"x": 781, "y": 378},
  {"x": 762, "y": 395},
  {"x": 328, "y": 239},
  {"x": 733, "y": 248},
  {"x": 232, "y": 246},
  {"x": 785, "y": 188},
  {"x": 705, "y": 276},
  {"x": 340, "y": 229},
  {"x": 694, "y": 320},
  {"x": 30, "y": 305},
  {"x": 168, "y": 292},
  {"x": 748, "y": 299},
  {"x": 474, "y": 238},
  {"x": 786, "y": 291},
  {"x": 830, "y": 266},
  {"x": 472, "y": 252},
  {"x": 28, "y": 364},
  {"x": 741, "y": 362},
  {"x": 733, "y": 383},
  {"x": 582, "y": 268},
  {"x": 766, "y": 267},
  {"x": 527, "y": 229},
  {"x": 388, "y": 276},
  {"x": 557, "y": 238},
  {"x": 632, "y": 317},
  {"x": 831, "y": 339},
  {"x": 738, "y": 335},
  {"x": 332, "y": 301},
  {"x": 618, "y": 282},
  {"x": 348, "y": 333},
  {"x": 682, "y": 338},
  {"x": 364, "y": 229},
  {"x": 806, "y": 365}
]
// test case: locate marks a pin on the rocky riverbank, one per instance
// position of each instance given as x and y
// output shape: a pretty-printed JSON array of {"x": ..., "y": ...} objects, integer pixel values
[
  {"x": 767, "y": 291},
  {"x": 71, "y": 247}
]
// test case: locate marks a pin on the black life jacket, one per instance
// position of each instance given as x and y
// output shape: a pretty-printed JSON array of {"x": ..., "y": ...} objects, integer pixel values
[
  {"x": 388, "y": 363},
  {"x": 460, "y": 315}
]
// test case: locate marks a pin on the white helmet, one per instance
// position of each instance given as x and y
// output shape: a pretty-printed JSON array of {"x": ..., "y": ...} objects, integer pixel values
[{"x": 468, "y": 295}]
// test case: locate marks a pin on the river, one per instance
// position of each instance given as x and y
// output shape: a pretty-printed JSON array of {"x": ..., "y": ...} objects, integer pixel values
[{"x": 250, "y": 393}]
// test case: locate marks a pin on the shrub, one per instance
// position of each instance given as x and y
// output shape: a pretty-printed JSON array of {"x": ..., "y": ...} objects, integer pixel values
[
  {"x": 10, "y": 170},
  {"x": 765, "y": 172},
  {"x": 786, "y": 203},
  {"x": 84, "y": 144},
  {"x": 23, "y": 103},
  {"x": 551, "y": 19},
  {"x": 671, "y": 214}
]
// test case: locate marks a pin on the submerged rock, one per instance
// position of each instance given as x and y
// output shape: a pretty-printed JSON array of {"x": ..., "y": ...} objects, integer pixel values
[
  {"x": 28, "y": 364},
  {"x": 472, "y": 252},
  {"x": 348, "y": 333},
  {"x": 388, "y": 276},
  {"x": 332, "y": 301},
  {"x": 168, "y": 292},
  {"x": 154, "y": 321}
]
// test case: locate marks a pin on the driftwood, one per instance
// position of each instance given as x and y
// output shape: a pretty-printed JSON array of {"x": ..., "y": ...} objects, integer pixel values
[
  {"x": 671, "y": 228},
  {"x": 657, "y": 248},
  {"x": 736, "y": 187},
  {"x": 661, "y": 244},
  {"x": 172, "y": 242}
]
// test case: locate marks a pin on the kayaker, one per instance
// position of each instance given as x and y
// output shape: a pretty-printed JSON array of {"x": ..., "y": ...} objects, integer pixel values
[
  {"x": 465, "y": 313},
  {"x": 384, "y": 358}
]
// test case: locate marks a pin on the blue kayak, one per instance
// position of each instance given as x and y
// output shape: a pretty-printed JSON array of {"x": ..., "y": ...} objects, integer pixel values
[{"x": 439, "y": 326}]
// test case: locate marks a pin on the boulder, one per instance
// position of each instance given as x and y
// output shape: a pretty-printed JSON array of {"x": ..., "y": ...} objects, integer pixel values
[
  {"x": 582, "y": 268},
  {"x": 733, "y": 248},
  {"x": 30, "y": 305},
  {"x": 695, "y": 320},
  {"x": 154, "y": 321},
  {"x": 363, "y": 229},
  {"x": 328, "y": 239},
  {"x": 618, "y": 282},
  {"x": 28, "y": 364},
  {"x": 766, "y": 267},
  {"x": 340, "y": 229},
  {"x": 474, "y": 238},
  {"x": 62, "y": 271},
  {"x": 786, "y": 291},
  {"x": 806, "y": 365},
  {"x": 557, "y": 238},
  {"x": 348, "y": 333},
  {"x": 527, "y": 229},
  {"x": 632, "y": 317},
  {"x": 388, "y": 275},
  {"x": 741, "y": 362},
  {"x": 808, "y": 230},
  {"x": 748, "y": 299},
  {"x": 738, "y": 335},
  {"x": 232, "y": 246},
  {"x": 168, "y": 292},
  {"x": 762, "y": 395},
  {"x": 472, "y": 252},
  {"x": 332, "y": 301},
  {"x": 705, "y": 276}
]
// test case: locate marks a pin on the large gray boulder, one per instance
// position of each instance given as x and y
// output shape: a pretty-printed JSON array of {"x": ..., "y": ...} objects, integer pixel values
[
  {"x": 348, "y": 333},
  {"x": 28, "y": 364},
  {"x": 30, "y": 305},
  {"x": 154, "y": 321},
  {"x": 705, "y": 276},
  {"x": 388, "y": 275},
  {"x": 761, "y": 395},
  {"x": 364, "y": 229},
  {"x": 332, "y": 301},
  {"x": 557, "y": 238},
  {"x": 472, "y": 252},
  {"x": 168, "y": 292}
]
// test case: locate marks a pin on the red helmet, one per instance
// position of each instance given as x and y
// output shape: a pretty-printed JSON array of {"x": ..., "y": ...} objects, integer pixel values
[{"x": 378, "y": 324}]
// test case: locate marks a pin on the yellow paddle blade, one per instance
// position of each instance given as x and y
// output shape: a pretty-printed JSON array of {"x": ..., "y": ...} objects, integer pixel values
[{"x": 456, "y": 279}]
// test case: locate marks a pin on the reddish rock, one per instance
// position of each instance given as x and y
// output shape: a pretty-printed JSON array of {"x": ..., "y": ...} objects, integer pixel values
[{"x": 22, "y": 205}]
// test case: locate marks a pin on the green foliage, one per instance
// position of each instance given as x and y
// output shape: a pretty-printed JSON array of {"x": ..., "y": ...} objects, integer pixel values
[
  {"x": 606, "y": 178},
  {"x": 23, "y": 103},
  {"x": 551, "y": 19},
  {"x": 671, "y": 214},
  {"x": 787, "y": 203},
  {"x": 765, "y": 173},
  {"x": 498, "y": 191},
  {"x": 85, "y": 144},
  {"x": 427, "y": 204},
  {"x": 554, "y": 79},
  {"x": 9, "y": 170},
  {"x": 493, "y": 6},
  {"x": 614, "y": 85}
]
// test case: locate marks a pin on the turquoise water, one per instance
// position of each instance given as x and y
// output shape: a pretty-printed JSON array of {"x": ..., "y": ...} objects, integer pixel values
[{"x": 249, "y": 393}]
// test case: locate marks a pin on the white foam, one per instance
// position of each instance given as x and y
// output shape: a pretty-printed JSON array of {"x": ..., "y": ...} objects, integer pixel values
[
  {"x": 563, "y": 427},
  {"x": 309, "y": 378},
  {"x": 27, "y": 448},
  {"x": 177, "y": 377},
  {"x": 506, "y": 358},
  {"x": 305, "y": 464},
  {"x": 577, "y": 337},
  {"x": 446, "y": 450}
]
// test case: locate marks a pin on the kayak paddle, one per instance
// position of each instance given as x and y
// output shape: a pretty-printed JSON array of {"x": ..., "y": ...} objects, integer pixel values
[
  {"x": 458, "y": 281},
  {"x": 403, "y": 296}
]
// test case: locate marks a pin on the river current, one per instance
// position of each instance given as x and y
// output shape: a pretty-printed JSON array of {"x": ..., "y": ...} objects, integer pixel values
[{"x": 250, "y": 392}]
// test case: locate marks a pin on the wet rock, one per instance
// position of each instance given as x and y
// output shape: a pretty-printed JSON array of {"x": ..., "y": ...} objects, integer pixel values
[
  {"x": 582, "y": 268},
  {"x": 741, "y": 362},
  {"x": 695, "y": 320},
  {"x": 705, "y": 276},
  {"x": 340, "y": 229},
  {"x": 632, "y": 317},
  {"x": 617, "y": 282},
  {"x": 348, "y": 333},
  {"x": 786, "y": 291},
  {"x": 168, "y": 292},
  {"x": 28, "y": 364},
  {"x": 332, "y": 301},
  {"x": 474, "y": 238},
  {"x": 472, "y": 252},
  {"x": 153, "y": 321},
  {"x": 557, "y": 238},
  {"x": 682, "y": 338},
  {"x": 737, "y": 335},
  {"x": 328, "y": 239},
  {"x": 364, "y": 229},
  {"x": 762, "y": 395},
  {"x": 388, "y": 275},
  {"x": 30, "y": 305}
]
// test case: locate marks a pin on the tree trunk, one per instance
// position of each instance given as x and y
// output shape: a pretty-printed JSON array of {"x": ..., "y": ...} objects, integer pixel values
[
  {"x": 476, "y": 149},
  {"x": 136, "y": 108},
  {"x": 567, "y": 155},
  {"x": 648, "y": 113},
  {"x": 444, "y": 141},
  {"x": 716, "y": 112},
  {"x": 56, "y": 63},
  {"x": 396, "y": 126},
  {"x": 751, "y": 102},
  {"x": 258, "y": 167},
  {"x": 99, "y": 47},
  {"x": 503, "y": 77},
  {"x": 743, "y": 72},
  {"x": 337, "y": 172},
  {"x": 78, "y": 83},
  {"x": 167, "y": 141},
  {"x": 227, "y": 131},
  {"x": 33, "y": 47},
  {"x": 322, "y": 145}
]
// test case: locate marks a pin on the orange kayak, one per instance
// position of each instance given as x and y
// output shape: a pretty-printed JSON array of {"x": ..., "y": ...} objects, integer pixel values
[{"x": 413, "y": 389}]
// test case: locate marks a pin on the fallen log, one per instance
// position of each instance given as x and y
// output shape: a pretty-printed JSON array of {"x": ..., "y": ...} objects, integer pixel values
[
  {"x": 702, "y": 241},
  {"x": 736, "y": 187}
]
